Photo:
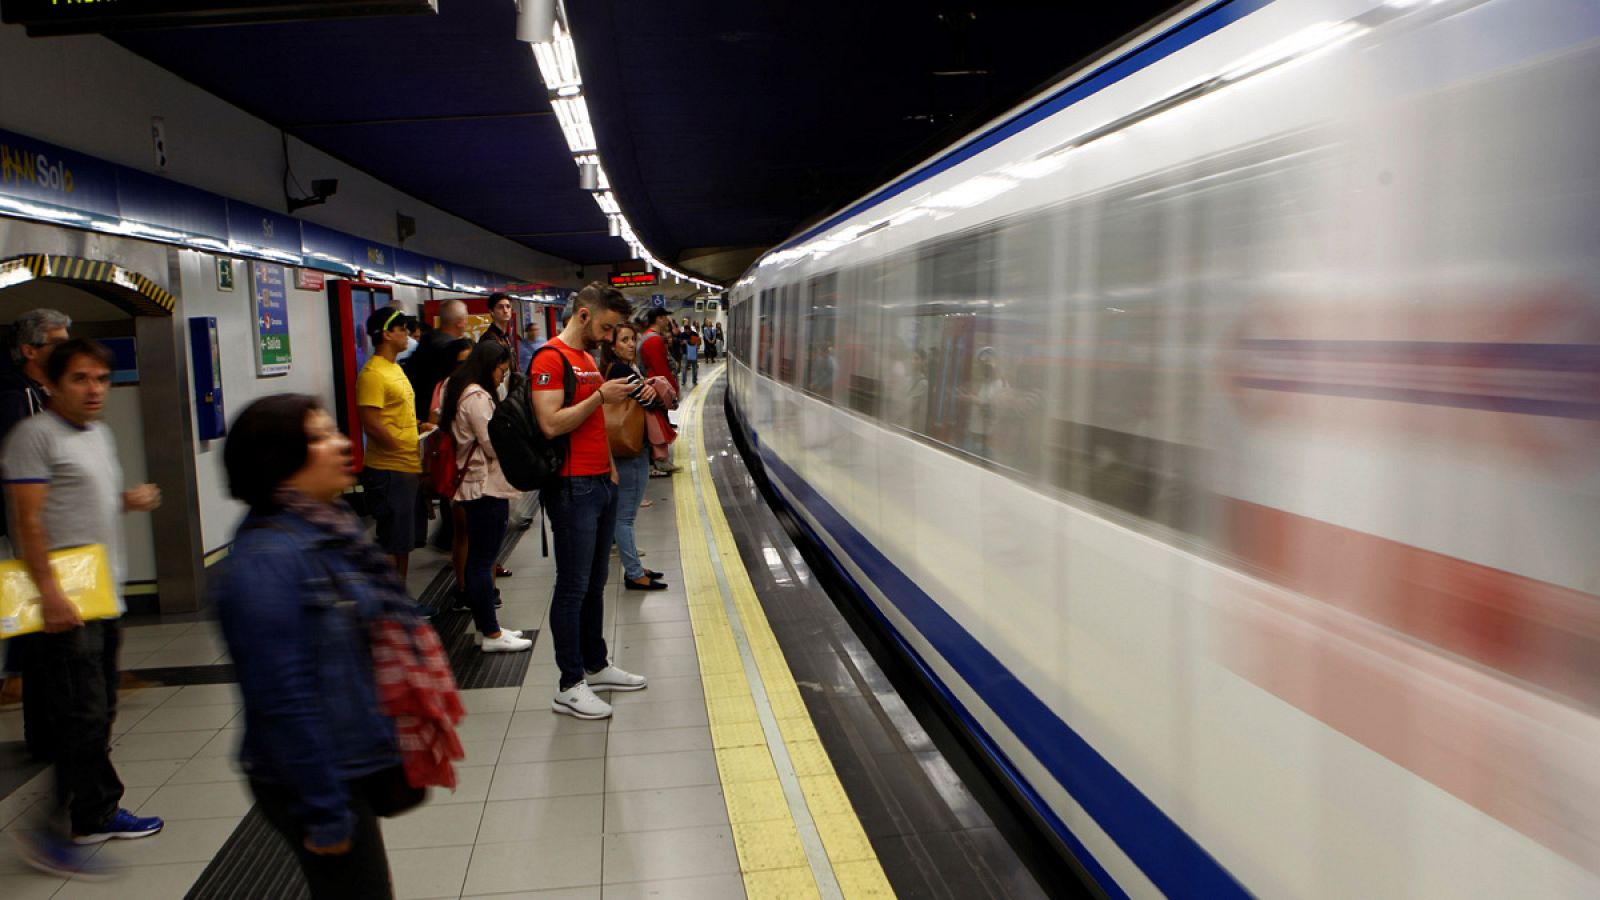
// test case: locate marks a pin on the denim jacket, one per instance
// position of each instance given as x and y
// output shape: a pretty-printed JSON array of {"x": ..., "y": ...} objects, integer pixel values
[{"x": 286, "y": 598}]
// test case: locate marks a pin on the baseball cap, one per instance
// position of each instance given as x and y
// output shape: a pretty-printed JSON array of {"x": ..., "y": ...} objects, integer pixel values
[{"x": 388, "y": 317}]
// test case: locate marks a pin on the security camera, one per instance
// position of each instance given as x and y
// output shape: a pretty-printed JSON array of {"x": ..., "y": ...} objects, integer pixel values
[{"x": 321, "y": 190}]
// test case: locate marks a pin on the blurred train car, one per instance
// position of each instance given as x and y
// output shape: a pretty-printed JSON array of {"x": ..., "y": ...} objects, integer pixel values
[{"x": 1218, "y": 430}]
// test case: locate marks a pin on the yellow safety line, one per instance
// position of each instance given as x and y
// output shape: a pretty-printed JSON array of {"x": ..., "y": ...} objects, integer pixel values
[{"x": 767, "y": 836}]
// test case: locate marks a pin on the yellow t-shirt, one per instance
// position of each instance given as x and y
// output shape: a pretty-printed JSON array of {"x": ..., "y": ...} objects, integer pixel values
[{"x": 384, "y": 385}]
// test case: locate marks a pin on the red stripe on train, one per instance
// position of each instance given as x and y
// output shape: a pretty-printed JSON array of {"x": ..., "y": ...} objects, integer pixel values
[{"x": 1539, "y": 632}]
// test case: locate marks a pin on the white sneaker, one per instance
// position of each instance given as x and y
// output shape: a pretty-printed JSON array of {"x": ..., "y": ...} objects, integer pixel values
[
  {"x": 477, "y": 636},
  {"x": 507, "y": 642},
  {"x": 612, "y": 678},
  {"x": 580, "y": 702}
]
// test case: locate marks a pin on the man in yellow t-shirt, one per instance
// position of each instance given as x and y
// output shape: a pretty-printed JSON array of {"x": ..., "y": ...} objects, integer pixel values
[{"x": 391, "y": 477}]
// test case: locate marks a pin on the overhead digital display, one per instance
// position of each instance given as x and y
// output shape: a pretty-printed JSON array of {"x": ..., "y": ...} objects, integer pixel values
[
  {"x": 46, "y": 17},
  {"x": 633, "y": 279}
]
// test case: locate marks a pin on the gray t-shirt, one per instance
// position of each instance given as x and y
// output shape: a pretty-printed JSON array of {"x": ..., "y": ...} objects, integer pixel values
[{"x": 84, "y": 501}]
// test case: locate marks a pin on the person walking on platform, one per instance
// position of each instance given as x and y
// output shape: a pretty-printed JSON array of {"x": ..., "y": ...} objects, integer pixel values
[
  {"x": 63, "y": 485},
  {"x": 582, "y": 501},
  {"x": 691, "y": 356},
  {"x": 23, "y": 396},
  {"x": 391, "y": 477},
  {"x": 633, "y": 473},
  {"x": 470, "y": 398},
  {"x": 321, "y": 632}
]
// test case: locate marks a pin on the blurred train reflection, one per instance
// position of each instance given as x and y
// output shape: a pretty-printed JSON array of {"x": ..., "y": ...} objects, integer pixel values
[{"x": 1220, "y": 430}]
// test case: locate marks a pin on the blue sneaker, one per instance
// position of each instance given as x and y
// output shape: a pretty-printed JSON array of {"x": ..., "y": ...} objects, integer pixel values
[
  {"x": 124, "y": 825},
  {"x": 54, "y": 856}
]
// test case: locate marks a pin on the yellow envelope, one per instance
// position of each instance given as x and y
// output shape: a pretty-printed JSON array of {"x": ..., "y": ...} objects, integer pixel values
[{"x": 85, "y": 576}]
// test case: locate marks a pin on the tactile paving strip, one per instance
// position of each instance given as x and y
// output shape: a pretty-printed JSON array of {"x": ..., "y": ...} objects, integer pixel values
[
  {"x": 472, "y": 667},
  {"x": 772, "y": 853},
  {"x": 255, "y": 862}
]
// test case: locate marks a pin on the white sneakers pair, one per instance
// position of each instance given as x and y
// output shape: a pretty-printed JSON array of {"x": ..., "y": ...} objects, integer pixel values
[
  {"x": 508, "y": 642},
  {"x": 580, "y": 701}
]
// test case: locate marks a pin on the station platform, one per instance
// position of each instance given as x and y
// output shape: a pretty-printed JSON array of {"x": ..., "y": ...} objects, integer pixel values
[{"x": 770, "y": 755}]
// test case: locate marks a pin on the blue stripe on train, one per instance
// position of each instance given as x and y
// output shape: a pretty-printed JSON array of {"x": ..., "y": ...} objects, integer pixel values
[{"x": 1168, "y": 856}]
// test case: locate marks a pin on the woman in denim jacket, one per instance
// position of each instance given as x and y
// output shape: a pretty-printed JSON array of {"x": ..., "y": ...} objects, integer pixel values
[{"x": 293, "y": 598}]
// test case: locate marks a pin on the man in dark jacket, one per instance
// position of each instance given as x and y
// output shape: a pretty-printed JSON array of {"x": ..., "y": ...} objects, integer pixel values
[
  {"x": 503, "y": 329},
  {"x": 23, "y": 394},
  {"x": 433, "y": 362}
]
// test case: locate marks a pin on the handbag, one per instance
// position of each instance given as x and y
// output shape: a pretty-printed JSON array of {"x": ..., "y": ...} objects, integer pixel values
[
  {"x": 625, "y": 427},
  {"x": 389, "y": 792},
  {"x": 85, "y": 577}
]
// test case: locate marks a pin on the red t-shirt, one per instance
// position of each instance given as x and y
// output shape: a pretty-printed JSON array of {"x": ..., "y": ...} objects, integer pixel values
[
  {"x": 653, "y": 357},
  {"x": 589, "y": 453}
]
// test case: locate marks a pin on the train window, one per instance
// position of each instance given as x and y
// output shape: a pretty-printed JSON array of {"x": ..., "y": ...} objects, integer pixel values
[
  {"x": 860, "y": 339},
  {"x": 1016, "y": 332},
  {"x": 1072, "y": 333},
  {"x": 789, "y": 334},
  {"x": 1123, "y": 456},
  {"x": 965, "y": 381},
  {"x": 764, "y": 335},
  {"x": 906, "y": 371},
  {"x": 822, "y": 365}
]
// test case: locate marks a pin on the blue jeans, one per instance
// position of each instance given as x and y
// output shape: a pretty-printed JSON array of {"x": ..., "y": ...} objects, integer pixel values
[
  {"x": 583, "y": 518},
  {"x": 632, "y": 476},
  {"x": 486, "y": 529}
]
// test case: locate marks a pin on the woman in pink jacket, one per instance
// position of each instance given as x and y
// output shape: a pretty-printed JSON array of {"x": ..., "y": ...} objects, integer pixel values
[{"x": 470, "y": 398}]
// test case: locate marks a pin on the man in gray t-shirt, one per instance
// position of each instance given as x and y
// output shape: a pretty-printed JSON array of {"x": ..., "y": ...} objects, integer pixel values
[
  {"x": 63, "y": 488},
  {"x": 78, "y": 466}
]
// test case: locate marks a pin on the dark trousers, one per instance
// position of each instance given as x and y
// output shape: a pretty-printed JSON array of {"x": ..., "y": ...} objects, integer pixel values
[
  {"x": 75, "y": 675},
  {"x": 35, "y": 708},
  {"x": 360, "y": 874},
  {"x": 691, "y": 371},
  {"x": 583, "y": 518},
  {"x": 486, "y": 530}
]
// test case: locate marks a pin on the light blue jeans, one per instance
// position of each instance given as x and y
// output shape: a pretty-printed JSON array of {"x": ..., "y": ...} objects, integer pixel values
[{"x": 632, "y": 476}]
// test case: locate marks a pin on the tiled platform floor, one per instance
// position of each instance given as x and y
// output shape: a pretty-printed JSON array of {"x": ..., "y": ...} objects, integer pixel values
[{"x": 548, "y": 806}]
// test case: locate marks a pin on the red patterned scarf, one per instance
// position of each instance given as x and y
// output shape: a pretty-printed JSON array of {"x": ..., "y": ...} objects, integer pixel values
[{"x": 415, "y": 687}]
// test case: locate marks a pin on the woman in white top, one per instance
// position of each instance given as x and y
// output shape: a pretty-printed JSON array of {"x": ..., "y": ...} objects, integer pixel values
[{"x": 470, "y": 399}]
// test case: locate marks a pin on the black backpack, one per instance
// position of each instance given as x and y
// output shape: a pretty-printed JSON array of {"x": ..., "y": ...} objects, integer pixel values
[{"x": 528, "y": 459}]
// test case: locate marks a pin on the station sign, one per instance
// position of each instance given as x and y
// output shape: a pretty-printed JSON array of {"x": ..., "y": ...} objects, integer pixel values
[
  {"x": 47, "y": 17},
  {"x": 270, "y": 301},
  {"x": 633, "y": 279},
  {"x": 658, "y": 301}
]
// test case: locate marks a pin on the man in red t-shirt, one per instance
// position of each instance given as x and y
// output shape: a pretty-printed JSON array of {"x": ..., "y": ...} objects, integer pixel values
[
  {"x": 653, "y": 357},
  {"x": 582, "y": 504},
  {"x": 653, "y": 354}
]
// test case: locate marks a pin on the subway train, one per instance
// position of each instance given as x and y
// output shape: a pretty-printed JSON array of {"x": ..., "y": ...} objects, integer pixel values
[{"x": 1219, "y": 432}]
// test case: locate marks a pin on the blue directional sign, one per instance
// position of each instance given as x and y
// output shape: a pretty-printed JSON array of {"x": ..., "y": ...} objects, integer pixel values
[{"x": 659, "y": 301}]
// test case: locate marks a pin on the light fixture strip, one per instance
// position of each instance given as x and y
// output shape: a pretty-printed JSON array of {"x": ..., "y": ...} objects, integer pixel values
[{"x": 557, "y": 61}]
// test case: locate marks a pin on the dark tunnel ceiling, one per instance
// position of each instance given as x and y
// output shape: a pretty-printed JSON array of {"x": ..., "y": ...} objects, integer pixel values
[{"x": 721, "y": 124}]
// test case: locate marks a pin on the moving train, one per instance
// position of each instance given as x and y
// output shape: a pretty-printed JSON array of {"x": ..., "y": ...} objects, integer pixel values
[{"x": 1218, "y": 431}]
